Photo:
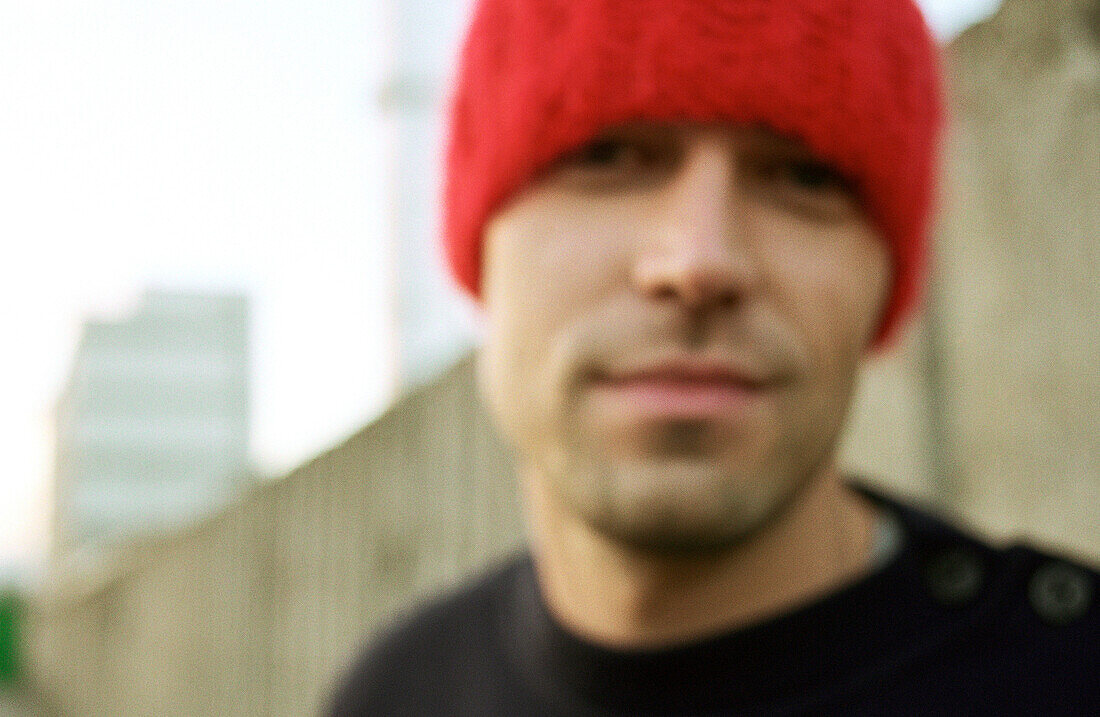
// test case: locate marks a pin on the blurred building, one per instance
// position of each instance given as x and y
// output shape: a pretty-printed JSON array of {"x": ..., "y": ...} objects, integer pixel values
[
  {"x": 435, "y": 325},
  {"x": 152, "y": 428}
]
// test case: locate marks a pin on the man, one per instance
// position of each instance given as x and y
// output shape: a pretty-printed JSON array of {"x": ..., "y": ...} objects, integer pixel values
[{"x": 688, "y": 222}]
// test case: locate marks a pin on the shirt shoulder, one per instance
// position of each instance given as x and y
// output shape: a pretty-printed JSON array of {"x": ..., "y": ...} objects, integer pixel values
[
  {"x": 1026, "y": 620},
  {"x": 443, "y": 658},
  {"x": 1036, "y": 648},
  {"x": 1054, "y": 590}
]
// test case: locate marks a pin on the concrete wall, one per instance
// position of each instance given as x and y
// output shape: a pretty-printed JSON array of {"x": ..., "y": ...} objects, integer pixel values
[
  {"x": 1017, "y": 291},
  {"x": 256, "y": 610},
  {"x": 987, "y": 409}
]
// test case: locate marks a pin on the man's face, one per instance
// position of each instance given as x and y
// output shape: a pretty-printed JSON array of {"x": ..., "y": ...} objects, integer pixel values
[{"x": 675, "y": 317}]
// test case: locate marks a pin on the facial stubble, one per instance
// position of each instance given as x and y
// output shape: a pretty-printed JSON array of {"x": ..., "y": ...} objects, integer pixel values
[{"x": 669, "y": 494}]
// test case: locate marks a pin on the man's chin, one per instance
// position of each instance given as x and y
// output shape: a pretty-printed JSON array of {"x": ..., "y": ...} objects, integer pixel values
[
  {"x": 683, "y": 506},
  {"x": 680, "y": 525},
  {"x": 672, "y": 540}
]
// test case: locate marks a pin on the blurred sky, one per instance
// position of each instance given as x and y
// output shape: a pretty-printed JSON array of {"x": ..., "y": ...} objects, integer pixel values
[{"x": 208, "y": 144}]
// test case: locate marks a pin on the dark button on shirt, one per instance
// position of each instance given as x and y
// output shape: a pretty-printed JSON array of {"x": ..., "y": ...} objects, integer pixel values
[
  {"x": 954, "y": 575},
  {"x": 1060, "y": 593}
]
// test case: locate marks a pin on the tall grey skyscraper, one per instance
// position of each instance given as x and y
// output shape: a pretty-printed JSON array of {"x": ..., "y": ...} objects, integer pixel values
[
  {"x": 434, "y": 324},
  {"x": 152, "y": 428}
]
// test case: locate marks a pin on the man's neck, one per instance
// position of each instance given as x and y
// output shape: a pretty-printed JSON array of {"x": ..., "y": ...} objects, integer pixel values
[{"x": 622, "y": 597}]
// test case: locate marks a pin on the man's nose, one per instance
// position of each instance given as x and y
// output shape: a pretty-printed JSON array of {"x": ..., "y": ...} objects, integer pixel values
[{"x": 699, "y": 255}]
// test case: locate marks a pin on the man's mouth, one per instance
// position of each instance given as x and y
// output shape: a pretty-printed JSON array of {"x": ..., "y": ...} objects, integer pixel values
[{"x": 682, "y": 389}]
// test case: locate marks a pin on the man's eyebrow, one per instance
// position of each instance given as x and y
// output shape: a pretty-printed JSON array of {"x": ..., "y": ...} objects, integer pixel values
[
  {"x": 763, "y": 137},
  {"x": 636, "y": 130},
  {"x": 774, "y": 141}
]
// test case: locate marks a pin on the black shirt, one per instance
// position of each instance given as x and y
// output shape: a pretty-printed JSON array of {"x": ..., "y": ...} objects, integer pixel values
[{"x": 949, "y": 626}]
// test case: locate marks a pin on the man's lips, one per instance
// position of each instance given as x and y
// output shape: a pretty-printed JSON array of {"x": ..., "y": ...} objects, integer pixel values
[{"x": 682, "y": 390}]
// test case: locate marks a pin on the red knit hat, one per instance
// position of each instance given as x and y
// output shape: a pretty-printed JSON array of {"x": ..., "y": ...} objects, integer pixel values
[{"x": 857, "y": 81}]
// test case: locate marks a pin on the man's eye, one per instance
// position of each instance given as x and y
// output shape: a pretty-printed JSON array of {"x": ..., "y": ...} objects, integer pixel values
[
  {"x": 814, "y": 176},
  {"x": 609, "y": 154},
  {"x": 807, "y": 186}
]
